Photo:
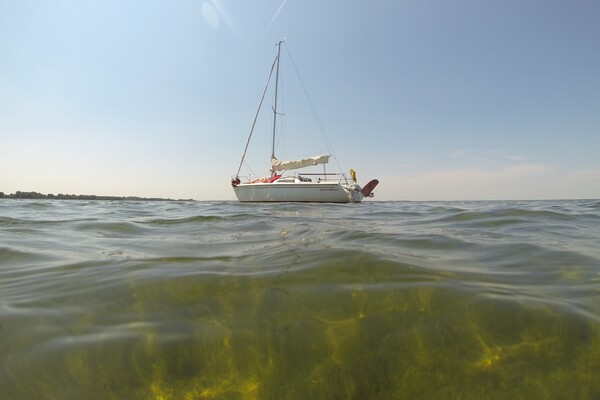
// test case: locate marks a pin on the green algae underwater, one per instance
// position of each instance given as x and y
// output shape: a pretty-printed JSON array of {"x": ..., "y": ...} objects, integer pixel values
[{"x": 115, "y": 300}]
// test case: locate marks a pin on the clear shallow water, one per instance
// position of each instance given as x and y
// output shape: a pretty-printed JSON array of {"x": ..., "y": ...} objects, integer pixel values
[{"x": 221, "y": 300}]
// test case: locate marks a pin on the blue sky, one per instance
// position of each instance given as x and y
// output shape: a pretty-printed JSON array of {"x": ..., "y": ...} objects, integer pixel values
[{"x": 440, "y": 100}]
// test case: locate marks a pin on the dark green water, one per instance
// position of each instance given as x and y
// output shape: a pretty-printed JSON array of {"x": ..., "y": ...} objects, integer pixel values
[{"x": 220, "y": 300}]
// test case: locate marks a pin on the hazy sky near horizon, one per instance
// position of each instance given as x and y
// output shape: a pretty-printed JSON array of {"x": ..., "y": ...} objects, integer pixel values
[{"x": 440, "y": 100}]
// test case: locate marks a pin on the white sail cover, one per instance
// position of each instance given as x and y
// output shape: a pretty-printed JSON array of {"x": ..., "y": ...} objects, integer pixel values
[{"x": 277, "y": 165}]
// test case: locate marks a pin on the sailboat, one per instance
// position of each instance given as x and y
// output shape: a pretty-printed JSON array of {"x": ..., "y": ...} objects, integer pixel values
[{"x": 300, "y": 186}]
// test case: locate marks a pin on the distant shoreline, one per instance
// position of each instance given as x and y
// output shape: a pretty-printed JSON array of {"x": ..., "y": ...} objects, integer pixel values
[{"x": 60, "y": 196}]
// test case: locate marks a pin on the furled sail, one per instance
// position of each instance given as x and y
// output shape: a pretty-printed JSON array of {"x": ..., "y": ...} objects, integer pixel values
[{"x": 277, "y": 165}]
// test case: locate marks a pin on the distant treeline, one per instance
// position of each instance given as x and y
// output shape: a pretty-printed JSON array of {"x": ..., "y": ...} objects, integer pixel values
[{"x": 60, "y": 196}]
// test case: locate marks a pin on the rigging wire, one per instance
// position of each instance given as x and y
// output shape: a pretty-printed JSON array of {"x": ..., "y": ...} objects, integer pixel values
[
  {"x": 313, "y": 108},
  {"x": 250, "y": 169},
  {"x": 256, "y": 117}
]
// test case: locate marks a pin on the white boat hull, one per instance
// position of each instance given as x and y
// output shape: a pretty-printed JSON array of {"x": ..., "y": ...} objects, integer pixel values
[{"x": 317, "y": 192}]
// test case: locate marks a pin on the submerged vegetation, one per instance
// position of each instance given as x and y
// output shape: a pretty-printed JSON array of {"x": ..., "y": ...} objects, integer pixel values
[
  {"x": 35, "y": 195},
  {"x": 116, "y": 300}
]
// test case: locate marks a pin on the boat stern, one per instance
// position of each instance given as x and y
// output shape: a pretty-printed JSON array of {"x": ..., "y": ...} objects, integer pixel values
[{"x": 357, "y": 193}]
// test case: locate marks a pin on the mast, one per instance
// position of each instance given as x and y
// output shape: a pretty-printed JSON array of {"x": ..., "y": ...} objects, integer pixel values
[{"x": 275, "y": 105}]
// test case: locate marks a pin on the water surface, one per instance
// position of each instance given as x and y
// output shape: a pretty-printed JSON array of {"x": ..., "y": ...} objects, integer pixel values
[{"x": 222, "y": 300}]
